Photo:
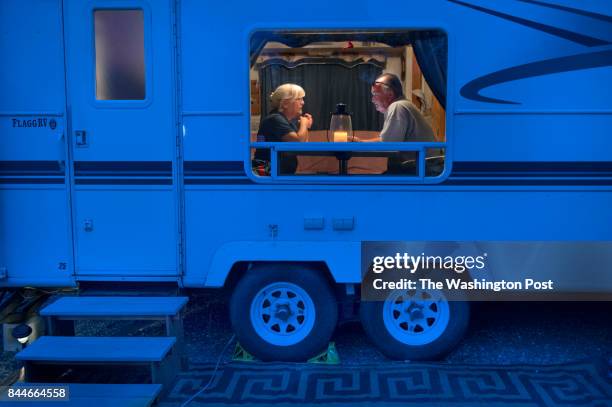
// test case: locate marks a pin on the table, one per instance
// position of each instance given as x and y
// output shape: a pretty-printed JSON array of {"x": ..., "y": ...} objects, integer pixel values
[{"x": 339, "y": 162}]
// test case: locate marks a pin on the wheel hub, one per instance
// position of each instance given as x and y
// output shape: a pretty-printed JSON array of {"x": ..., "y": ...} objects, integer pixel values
[
  {"x": 282, "y": 313},
  {"x": 416, "y": 317},
  {"x": 415, "y": 314}
]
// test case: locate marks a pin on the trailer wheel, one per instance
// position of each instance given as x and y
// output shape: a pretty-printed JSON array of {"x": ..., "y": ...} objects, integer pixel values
[
  {"x": 415, "y": 324},
  {"x": 283, "y": 312}
]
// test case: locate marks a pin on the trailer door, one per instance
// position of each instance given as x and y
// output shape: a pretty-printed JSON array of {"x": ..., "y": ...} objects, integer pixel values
[{"x": 121, "y": 97}]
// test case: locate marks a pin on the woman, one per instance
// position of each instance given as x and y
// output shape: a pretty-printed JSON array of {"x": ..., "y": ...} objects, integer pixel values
[{"x": 285, "y": 122}]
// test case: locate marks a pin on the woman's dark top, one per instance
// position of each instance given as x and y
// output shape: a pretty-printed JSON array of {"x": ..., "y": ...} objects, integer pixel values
[{"x": 272, "y": 129}]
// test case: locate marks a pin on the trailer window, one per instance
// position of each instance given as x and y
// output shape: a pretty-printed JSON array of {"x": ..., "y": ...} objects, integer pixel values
[
  {"x": 391, "y": 85},
  {"x": 120, "y": 55}
]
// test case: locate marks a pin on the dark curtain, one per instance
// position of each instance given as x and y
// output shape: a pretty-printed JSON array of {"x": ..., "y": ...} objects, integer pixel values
[
  {"x": 430, "y": 49},
  {"x": 326, "y": 82}
]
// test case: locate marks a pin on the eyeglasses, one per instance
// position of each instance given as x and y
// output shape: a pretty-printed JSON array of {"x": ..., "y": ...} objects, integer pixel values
[{"x": 381, "y": 84}]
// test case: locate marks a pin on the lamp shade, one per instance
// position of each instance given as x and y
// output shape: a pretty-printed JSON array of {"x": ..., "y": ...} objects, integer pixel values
[{"x": 340, "y": 126}]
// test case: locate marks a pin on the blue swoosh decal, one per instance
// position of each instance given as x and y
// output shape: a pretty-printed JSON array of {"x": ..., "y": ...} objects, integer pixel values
[
  {"x": 579, "y": 12},
  {"x": 558, "y": 32},
  {"x": 556, "y": 65}
]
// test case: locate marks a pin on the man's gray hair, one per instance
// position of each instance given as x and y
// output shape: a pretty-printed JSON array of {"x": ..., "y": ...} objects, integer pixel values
[{"x": 392, "y": 82}]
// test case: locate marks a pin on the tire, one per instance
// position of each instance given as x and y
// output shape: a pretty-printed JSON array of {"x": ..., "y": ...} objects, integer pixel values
[
  {"x": 283, "y": 312},
  {"x": 415, "y": 324}
]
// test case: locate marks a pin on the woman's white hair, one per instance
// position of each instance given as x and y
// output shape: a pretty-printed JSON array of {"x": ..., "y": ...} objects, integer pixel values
[{"x": 287, "y": 91}]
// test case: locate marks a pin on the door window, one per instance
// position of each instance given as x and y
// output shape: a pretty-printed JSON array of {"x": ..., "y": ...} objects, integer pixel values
[{"x": 120, "y": 54}]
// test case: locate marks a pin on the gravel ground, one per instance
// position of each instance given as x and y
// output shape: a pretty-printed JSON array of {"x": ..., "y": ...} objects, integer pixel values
[{"x": 499, "y": 333}]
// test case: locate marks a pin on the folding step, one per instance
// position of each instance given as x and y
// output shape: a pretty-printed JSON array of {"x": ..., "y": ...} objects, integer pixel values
[
  {"x": 156, "y": 308},
  {"x": 157, "y": 353},
  {"x": 99, "y": 395},
  {"x": 71, "y": 308}
]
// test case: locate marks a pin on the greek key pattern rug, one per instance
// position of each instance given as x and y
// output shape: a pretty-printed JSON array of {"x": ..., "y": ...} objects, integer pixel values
[{"x": 393, "y": 384}]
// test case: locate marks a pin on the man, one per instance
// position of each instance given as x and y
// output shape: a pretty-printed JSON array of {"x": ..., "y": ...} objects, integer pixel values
[{"x": 403, "y": 121}]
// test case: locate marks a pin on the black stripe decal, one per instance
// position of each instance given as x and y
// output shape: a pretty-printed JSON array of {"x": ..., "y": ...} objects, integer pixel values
[
  {"x": 527, "y": 182},
  {"x": 579, "y": 12},
  {"x": 29, "y": 168},
  {"x": 532, "y": 169},
  {"x": 213, "y": 181},
  {"x": 122, "y": 181},
  {"x": 13, "y": 181},
  {"x": 214, "y": 168},
  {"x": 524, "y": 173},
  {"x": 556, "y": 65},
  {"x": 450, "y": 181},
  {"x": 539, "y": 174},
  {"x": 215, "y": 173},
  {"x": 123, "y": 168},
  {"x": 558, "y": 32},
  {"x": 123, "y": 172}
]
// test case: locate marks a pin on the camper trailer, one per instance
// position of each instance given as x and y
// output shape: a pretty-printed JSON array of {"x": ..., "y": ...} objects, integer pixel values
[{"x": 129, "y": 136}]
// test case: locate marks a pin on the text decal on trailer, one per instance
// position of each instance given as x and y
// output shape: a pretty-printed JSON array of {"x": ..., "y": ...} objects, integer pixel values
[{"x": 37, "y": 122}]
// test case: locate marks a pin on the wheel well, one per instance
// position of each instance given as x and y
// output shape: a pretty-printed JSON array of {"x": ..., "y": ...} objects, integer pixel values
[{"x": 240, "y": 268}]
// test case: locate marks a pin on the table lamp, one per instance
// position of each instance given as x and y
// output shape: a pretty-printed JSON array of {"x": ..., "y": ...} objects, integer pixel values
[{"x": 340, "y": 127}]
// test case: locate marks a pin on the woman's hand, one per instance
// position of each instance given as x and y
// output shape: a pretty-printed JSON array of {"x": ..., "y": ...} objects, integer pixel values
[
  {"x": 302, "y": 134},
  {"x": 307, "y": 117}
]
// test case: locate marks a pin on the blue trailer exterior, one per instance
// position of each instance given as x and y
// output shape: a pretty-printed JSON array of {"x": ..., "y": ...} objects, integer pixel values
[{"x": 162, "y": 188}]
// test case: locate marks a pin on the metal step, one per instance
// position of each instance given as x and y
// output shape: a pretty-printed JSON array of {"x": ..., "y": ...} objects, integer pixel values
[
  {"x": 97, "y": 349},
  {"x": 64, "y": 310},
  {"x": 83, "y": 307},
  {"x": 155, "y": 353}
]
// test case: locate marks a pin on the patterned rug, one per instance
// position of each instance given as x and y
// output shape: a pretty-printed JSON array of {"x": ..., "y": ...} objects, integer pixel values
[{"x": 394, "y": 384}]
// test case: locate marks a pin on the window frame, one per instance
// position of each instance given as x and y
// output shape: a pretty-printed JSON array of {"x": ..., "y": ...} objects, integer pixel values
[{"x": 364, "y": 179}]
